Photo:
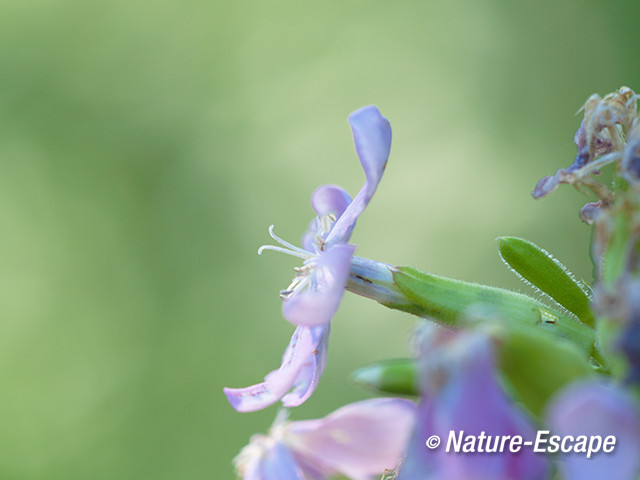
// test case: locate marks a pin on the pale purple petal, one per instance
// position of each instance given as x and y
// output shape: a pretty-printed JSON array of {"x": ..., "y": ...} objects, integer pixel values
[
  {"x": 327, "y": 199},
  {"x": 330, "y": 199},
  {"x": 300, "y": 348},
  {"x": 420, "y": 463},
  {"x": 461, "y": 393},
  {"x": 319, "y": 302},
  {"x": 594, "y": 409},
  {"x": 359, "y": 440},
  {"x": 312, "y": 370},
  {"x": 474, "y": 402},
  {"x": 280, "y": 464},
  {"x": 300, "y": 351},
  {"x": 252, "y": 398},
  {"x": 372, "y": 139},
  {"x": 309, "y": 238}
]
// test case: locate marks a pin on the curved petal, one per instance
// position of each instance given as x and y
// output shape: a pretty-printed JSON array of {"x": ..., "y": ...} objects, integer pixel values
[
  {"x": 594, "y": 409},
  {"x": 277, "y": 383},
  {"x": 252, "y": 398},
  {"x": 461, "y": 393},
  {"x": 372, "y": 139},
  {"x": 312, "y": 370},
  {"x": 358, "y": 440},
  {"x": 326, "y": 200},
  {"x": 309, "y": 237},
  {"x": 319, "y": 302},
  {"x": 330, "y": 199}
]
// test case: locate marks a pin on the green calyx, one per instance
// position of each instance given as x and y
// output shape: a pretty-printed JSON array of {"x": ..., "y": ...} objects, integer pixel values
[{"x": 455, "y": 303}]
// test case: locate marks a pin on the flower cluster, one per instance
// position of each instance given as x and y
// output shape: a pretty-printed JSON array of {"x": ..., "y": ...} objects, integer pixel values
[{"x": 486, "y": 361}]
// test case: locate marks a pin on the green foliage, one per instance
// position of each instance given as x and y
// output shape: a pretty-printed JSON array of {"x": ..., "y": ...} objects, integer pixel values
[
  {"x": 536, "y": 365},
  {"x": 454, "y": 302},
  {"x": 539, "y": 268},
  {"x": 533, "y": 365},
  {"x": 615, "y": 259},
  {"x": 146, "y": 146},
  {"x": 397, "y": 376}
]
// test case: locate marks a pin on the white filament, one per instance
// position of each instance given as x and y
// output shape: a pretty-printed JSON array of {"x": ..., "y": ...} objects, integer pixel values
[{"x": 289, "y": 250}]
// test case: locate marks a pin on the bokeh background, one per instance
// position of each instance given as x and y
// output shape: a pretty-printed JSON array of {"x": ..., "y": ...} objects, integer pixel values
[{"x": 146, "y": 146}]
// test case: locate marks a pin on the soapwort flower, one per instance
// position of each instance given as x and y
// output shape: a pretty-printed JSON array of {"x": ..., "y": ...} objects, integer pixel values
[
  {"x": 313, "y": 297},
  {"x": 358, "y": 440},
  {"x": 460, "y": 392}
]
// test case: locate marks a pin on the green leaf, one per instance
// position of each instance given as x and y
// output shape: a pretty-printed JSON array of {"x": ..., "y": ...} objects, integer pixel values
[
  {"x": 535, "y": 365},
  {"x": 537, "y": 267},
  {"x": 398, "y": 376},
  {"x": 532, "y": 364}
]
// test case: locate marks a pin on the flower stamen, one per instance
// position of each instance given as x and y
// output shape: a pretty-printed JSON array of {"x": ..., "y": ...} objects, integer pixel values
[
  {"x": 298, "y": 283},
  {"x": 289, "y": 250},
  {"x": 325, "y": 224},
  {"x": 282, "y": 250},
  {"x": 304, "y": 273}
]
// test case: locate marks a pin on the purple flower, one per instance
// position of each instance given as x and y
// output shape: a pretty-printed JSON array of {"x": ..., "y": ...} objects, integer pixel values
[
  {"x": 628, "y": 339},
  {"x": 631, "y": 155},
  {"x": 599, "y": 141},
  {"x": 460, "y": 393},
  {"x": 595, "y": 409},
  {"x": 359, "y": 440},
  {"x": 313, "y": 297},
  {"x": 620, "y": 306}
]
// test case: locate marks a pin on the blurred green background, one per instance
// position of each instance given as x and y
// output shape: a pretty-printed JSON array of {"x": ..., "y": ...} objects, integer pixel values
[{"x": 145, "y": 147}]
